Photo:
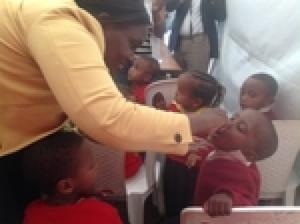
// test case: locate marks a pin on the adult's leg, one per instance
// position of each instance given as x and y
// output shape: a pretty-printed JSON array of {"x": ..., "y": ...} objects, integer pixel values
[
  {"x": 15, "y": 192},
  {"x": 195, "y": 52}
]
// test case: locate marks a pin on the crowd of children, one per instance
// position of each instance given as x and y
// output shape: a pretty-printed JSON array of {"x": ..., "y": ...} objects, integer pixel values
[
  {"x": 63, "y": 168},
  {"x": 245, "y": 138}
]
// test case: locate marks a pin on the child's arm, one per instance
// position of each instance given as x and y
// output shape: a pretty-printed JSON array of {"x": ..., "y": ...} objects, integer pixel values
[
  {"x": 195, "y": 157},
  {"x": 219, "y": 204},
  {"x": 192, "y": 159}
]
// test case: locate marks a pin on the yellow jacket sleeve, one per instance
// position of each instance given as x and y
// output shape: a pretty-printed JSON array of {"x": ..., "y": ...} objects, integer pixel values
[{"x": 70, "y": 57}]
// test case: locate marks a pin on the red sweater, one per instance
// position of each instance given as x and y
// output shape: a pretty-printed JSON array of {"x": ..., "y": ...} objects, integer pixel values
[
  {"x": 222, "y": 175},
  {"x": 86, "y": 211},
  {"x": 133, "y": 162},
  {"x": 138, "y": 91}
]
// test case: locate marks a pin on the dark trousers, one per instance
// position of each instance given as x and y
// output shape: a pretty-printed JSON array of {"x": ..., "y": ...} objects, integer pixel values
[
  {"x": 179, "y": 184},
  {"x": 15, "y": 192}
]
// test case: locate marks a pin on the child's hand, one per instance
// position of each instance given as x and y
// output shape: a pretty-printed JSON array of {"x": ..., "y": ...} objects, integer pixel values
[
  {"x": 198, "y": 144},
  {"x": 192, "y": 159},
  {"x": 218, "y": 205}
]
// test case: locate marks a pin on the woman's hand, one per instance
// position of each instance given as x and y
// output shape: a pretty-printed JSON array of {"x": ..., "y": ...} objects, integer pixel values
[{"x": 203, "y": 123}]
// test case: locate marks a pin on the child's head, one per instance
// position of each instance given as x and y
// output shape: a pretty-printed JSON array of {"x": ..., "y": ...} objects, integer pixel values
[
  {"x": 196, "y": 90},
  {"x": 143, "y": 70},
  {"x": 61, "y": 164},
  {"x": 258, "y": 91},
  {"x": 250, "y": 132},
  {"x": 158, "y": 101}
]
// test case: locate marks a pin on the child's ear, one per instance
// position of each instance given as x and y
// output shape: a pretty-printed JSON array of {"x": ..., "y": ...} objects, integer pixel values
[{"x": 65, "y": 186}]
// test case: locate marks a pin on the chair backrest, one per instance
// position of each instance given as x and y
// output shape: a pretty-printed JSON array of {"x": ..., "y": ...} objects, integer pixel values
[
  {"x": 276, "y": 169},
  {"x": 150, "y": 164},
  {"x": 246, "y": 215},
  {"x": 110, "y": 174},
  {"x": 166, "y": 87}
]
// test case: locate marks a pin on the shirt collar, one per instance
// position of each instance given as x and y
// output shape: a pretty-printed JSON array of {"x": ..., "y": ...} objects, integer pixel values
[
  {"x": 266, "y": 109},
  {"x": 233, "y": 155}
]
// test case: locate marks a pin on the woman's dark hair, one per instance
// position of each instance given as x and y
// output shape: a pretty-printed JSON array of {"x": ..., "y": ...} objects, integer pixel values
[
  {"x": 208, "y": 89},
  {"x": 51, "y": 159},
  {"x": 117, "y": 11}
]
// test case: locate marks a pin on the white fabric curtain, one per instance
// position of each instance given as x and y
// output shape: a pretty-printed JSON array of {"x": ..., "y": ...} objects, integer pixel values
[{"x": 262, "y": 36}]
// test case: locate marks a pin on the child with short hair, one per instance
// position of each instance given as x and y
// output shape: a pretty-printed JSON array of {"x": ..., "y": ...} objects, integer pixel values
[
  {"x": 229, "y": 176},
  {"x": 258, "y": 92},
  {"x": 140, "y": 75},
  {"x": 195, "y": 92},
  {"x": 63, "y": 167}
]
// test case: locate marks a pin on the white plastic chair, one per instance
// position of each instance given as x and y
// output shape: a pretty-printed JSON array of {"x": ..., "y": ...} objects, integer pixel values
[
  {"x": 245, "y": 215},
  {"x": 139, "y": 187},
  {"x": 135, "y": 190},
  {"x": 166, "y": 87},
  {"x": 278, "y": 178}
]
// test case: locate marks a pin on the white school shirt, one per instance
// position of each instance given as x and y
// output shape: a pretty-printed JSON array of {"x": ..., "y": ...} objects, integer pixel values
[{"x": 192, "y": 19}]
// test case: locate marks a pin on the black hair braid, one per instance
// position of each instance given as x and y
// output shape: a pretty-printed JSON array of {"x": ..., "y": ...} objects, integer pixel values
[{"x": 212, "y": 92}]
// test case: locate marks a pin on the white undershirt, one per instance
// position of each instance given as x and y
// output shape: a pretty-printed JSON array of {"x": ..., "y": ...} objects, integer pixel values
[
  {"x": 266, "y": 108},
  {"x": 193, "y": 17},
  {"x": 233, "y": 155}
]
